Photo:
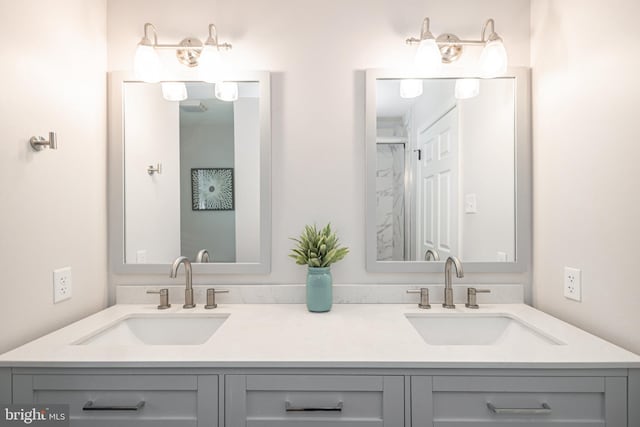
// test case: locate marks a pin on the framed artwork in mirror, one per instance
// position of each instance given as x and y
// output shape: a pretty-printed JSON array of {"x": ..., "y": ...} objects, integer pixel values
[
  {"x": 212, "y": 189},
  {"x": 231, "y": 218}
]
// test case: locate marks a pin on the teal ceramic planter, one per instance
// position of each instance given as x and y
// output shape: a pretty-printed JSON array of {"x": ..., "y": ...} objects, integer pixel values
[{"x": 319, "y": 289}]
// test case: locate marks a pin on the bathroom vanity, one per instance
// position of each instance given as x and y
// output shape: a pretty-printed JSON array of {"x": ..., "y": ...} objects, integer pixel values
[{"x": 358, "y": 365}]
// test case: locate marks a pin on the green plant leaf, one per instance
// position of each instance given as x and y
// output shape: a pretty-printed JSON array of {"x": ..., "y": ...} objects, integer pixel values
[{"x": 317, "y": 247}]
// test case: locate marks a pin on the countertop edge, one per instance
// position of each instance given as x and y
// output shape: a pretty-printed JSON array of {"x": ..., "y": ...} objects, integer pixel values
[{"x": 533, "y": 366}]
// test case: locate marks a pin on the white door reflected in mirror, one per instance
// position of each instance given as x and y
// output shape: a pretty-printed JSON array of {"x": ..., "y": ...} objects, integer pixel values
[{"x": 440, "y": 155}]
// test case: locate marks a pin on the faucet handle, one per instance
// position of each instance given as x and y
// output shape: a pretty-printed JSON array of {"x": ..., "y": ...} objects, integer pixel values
[
  {"x": 471, "y": 297},
  {"x": 164, "y": 298},
  {"x": 211, "y": 297},
  {"x": 424, "y": 296}
]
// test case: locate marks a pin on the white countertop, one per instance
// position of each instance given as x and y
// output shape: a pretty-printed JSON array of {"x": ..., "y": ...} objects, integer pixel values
[{"x": 350, "y": 335}]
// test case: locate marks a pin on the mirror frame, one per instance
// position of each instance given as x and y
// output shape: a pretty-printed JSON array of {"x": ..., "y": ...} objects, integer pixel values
[
  {"x": 116, "y": 183},
  {"x": 523, "y": 187}
]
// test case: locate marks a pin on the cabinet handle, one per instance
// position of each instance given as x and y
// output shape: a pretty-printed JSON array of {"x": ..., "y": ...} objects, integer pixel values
[
  {"x": 546, "y": 409},
  {"x": 289, "y": 408},
  {"x": 89, "y": 406}
]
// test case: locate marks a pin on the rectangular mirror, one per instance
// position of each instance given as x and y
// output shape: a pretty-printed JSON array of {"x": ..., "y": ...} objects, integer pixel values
[
  {"x": 447, "y": 172},
  {"x": 194, "y": 174}
]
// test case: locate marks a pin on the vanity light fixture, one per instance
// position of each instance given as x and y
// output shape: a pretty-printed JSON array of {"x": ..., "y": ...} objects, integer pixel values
[
  {"x": 467, "y": 88},
  {"x": 213, "y": 68},
  {"x": 410, "y": 88},
  {"x": 190, "y": 52},
  {"x": 174, "y": 91},
  {"x": 226, "y": 91},
  {"x": 428, "y": 57},
  {"x": 493, "y": 60},
  {"x": 146, "y": 64}
]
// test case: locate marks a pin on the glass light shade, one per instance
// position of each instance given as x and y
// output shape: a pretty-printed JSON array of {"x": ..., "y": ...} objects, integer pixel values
[
  {"x": 174, "y": 91},
  {"x": 227, "y": 91},
  {"x": 467, "y": 88},
  {"x": 493, "y": 61},
  {"x": 428, "y": 57},
  {"x": 146, "y": 65},
  {"x": 211, "y": 67},
  {"x": 410, "y": 88}
]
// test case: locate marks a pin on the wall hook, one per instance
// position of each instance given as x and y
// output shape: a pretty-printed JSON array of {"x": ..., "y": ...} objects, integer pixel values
[
  {"x": 155, "y": 169},
  {"x": 38, "y": 143}
]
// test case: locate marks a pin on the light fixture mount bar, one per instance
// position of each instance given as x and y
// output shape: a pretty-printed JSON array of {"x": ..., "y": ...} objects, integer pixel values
[
  {"x": 450, "y": 47},
  {"x": 442, "y": 41},
  {"x": 189, "y": 52},
  {"x": 213, "y": 39},
  {"x": 221, "y": 46},
  {"x": 460, "y": 42}
]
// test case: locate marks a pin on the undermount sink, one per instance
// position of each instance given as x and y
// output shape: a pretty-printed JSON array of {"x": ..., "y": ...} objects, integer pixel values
[
  {"x": 477, "y": 329},
  {"x": 157, "y": 330}
]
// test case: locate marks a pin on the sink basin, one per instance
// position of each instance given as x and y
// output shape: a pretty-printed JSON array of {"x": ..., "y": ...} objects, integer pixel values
[
  {"x": 477, "y": 329},
  {"x": 157, "y": 330}
]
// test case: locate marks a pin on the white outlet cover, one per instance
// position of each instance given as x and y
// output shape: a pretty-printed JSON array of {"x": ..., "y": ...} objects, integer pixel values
[
  {"x": 573, "y": 283},
  {"x": 141, "y": 256},
  {"x": 470, "y": 203},
  {"x": 61, "y": 284}
]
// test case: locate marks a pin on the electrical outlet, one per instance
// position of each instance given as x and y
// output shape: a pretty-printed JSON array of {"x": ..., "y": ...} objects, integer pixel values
[
  {"x": 61, "y": 284},
  {"x": 141, "y": 256},
  {"x": 470, "y": 203},
  {"x": 572, "y": 283}
]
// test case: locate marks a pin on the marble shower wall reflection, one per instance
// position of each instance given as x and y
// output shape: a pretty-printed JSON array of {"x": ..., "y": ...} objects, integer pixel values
[{"x": 391, "y": 200}]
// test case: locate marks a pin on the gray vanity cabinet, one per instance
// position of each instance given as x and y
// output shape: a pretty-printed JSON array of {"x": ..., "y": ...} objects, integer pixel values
[
  {"x": 228, "y": 397},
  {"x": 484, "y": 401},
  {"x": 103, "y": 400},
  {"x": 314, "y": 400}
]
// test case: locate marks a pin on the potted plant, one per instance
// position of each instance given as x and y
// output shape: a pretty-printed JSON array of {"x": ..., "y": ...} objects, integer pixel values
[{"x": 318, "y": 249}]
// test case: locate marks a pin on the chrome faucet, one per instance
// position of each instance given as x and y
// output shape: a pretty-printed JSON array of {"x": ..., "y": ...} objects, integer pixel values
[
  {"x": 188, "y": 292},
  {"x": 448, "y": 289},
  {"x": 431, "y": 254},
  {"x": 203, "y": 256}
]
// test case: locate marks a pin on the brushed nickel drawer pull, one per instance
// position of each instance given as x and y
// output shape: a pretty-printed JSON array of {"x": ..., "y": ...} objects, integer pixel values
[
  {"x": 546, "y": 409},
  {"x": 89, "y": 406},
  {"x": 289, "y": 408}
]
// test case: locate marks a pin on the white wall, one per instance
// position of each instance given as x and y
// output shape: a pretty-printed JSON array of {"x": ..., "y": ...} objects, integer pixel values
[
  {"x": 317, "y": 52},
  {"x": 488, "y": 153},
  {"x": 246, "y": 138},
  {"x": 53, "y": 202},
  {"x": 586, "y": 149},
  {"x": 152, "y": 202},
  {"x": 438, "y": 98}
]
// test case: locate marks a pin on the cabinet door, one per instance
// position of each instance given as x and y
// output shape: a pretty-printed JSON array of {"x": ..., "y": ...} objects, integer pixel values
[
  {"x": 314, "y": 400},
  {"x": 125, "y": 400},
  {"x": 461, "y": 401}
]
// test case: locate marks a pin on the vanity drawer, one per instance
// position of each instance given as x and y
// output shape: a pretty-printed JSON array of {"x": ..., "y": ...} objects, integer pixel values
[
  {"x": 125, "y": 400},
  {"x": 314, "y": 400},
  {"x": 471, "y": 408},
  {"x": 461, "y": 401}
]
